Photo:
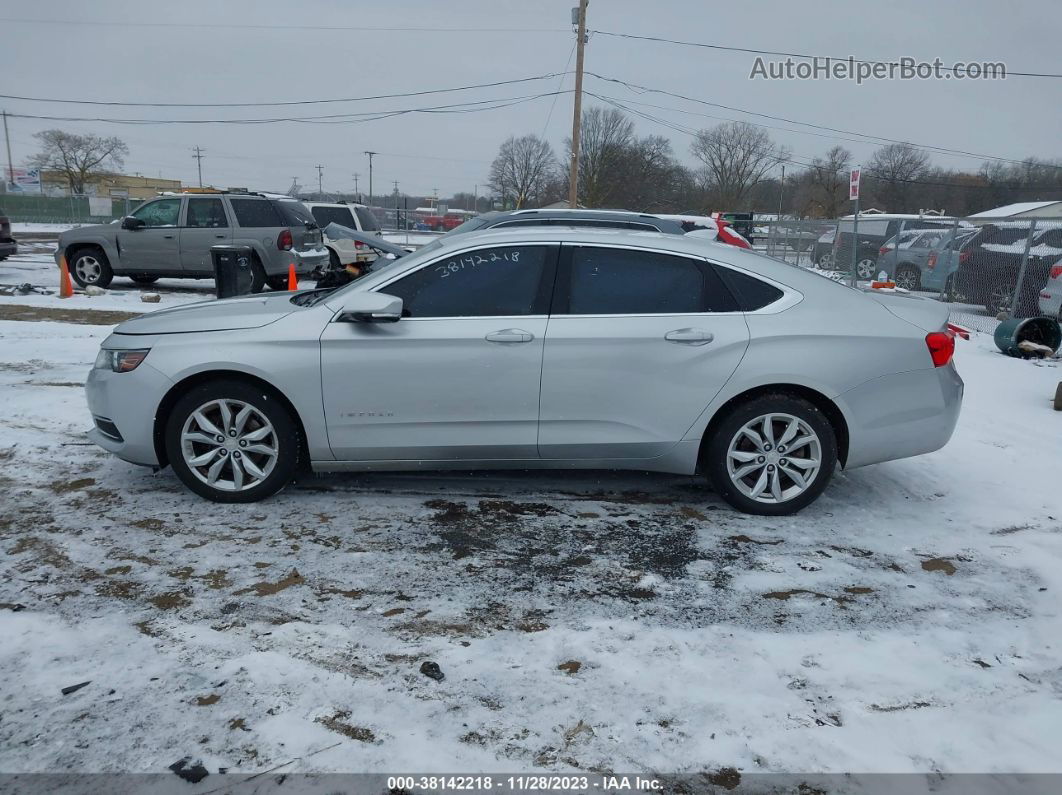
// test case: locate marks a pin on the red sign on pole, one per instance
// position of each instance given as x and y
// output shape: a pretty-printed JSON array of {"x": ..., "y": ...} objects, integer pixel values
[{"x": 853, "y": 184}]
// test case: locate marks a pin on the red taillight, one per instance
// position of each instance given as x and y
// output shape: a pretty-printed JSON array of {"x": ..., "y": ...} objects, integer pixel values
[
  {"x": 1056, "y": 271},
  {"x": 358, "y": 244},
  {"x": 884, "y": 250},
  {"x": 963, "y": 256},
  {"x": 285, "y": 241},
  {"x": 932, "y": 261},
  {"x": 941, "y": 346}
]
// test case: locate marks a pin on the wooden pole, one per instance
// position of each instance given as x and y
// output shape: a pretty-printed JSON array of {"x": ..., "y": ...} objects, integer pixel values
[{"x": 573, "y": 181}]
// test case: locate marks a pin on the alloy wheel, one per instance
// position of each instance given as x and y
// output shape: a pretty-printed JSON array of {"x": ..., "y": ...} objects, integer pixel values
[
  {"x": 907, "y": 278},
  {"x": 229, "y": 445},
  {"x": 774, "y": 458},
  {"x": 865, "y": 268},
  {"x": 88, "y": 269}
]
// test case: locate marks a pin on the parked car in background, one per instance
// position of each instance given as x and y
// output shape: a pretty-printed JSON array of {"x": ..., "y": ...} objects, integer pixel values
[
  {"x": 938, "y": 275},
  {"x": 8, "y": 245},
  {"x": 1051, "y": 294},
  {"x": 822, "y": 253},
  {"x": 351, "y": 216},
  {"x": 171, "y": 236},
  {"x": 538, "y": 348},
  {"x": 600, "y": 219},
  {"x": 989, "y": 273},
  {"x": 873, "y": 230},
  {"x": 905, "y": 260},
  {"x": 795, "y": 235},
  {"x": 743, "y": 223}
]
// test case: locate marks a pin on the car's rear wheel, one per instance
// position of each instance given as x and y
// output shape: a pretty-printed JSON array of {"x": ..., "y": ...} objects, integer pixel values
[
  {"x": 231, "y": 441},
  {"x": 89, "y": 266},
  {"x": 278, "y": 283},
  {"x": 144, "y": 279},
  {"x": 771, "y": 456},
  {"x": 908, "y": 277},
  {"x": 866, "y": 267},
  {"x": 826, "y": 261},
  {"x": 1001, "y": 296}
]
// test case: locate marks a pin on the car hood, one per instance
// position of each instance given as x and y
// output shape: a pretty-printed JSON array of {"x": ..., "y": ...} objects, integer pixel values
[
  {"x": 88, "y": 229},
  {"x": 246, "y": 311},
  {"x": 926, "y": 313}
]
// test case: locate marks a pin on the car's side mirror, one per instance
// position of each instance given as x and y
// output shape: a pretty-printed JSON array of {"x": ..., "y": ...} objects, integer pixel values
[
  {"x": 131, "y": 223},
  {"x": 366, "y": 307}
]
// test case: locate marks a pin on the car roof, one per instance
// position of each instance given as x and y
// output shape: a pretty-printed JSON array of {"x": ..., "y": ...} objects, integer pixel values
[
  {"x": 563, "y": 213},
  {"x": 333, "y": 204}
]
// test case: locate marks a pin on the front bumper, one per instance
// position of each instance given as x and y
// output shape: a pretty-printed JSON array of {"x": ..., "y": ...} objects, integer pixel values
[
  {"x": 126, "y": 403},
  {"x": 902, "y": 415}
]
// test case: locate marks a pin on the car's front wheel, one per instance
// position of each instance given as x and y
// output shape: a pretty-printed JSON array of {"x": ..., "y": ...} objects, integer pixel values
[
  {"x": 232, "y": 441},
  {"x": 771, "y": 456},
  {"x": 908, "y": 277},
  {"x": 89, "y": 266}
]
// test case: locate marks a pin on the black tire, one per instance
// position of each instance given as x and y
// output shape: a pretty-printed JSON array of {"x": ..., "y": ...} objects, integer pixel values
[
  {"x": 285, "y": 437},
  {"x": 92, "y": 261},
  {"x": 909, "y": 275},
  {"x": 715, "y": 453},
  {"x": 144, "y": 279},
  {"x": 277, "y": 283},
  {"x": 1000, "y": 298}
]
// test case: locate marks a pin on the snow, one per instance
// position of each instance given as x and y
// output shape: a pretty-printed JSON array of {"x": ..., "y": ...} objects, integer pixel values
[
  {"x": 907, "y": 621},
  {"x": 28, "y": 228},
  {"x": 1014, "y": 209}
]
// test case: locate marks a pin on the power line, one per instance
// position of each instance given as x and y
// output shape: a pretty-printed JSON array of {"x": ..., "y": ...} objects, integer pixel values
[
  {"x": 869, "y": 137},
  {"x": 803, "y": 56},
  {"x": 110, "y": 103},
  {"x": 333, "y": 118}
]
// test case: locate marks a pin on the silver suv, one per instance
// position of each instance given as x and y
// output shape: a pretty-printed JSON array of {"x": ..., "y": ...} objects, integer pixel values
[{"x": 171, "y": 236}]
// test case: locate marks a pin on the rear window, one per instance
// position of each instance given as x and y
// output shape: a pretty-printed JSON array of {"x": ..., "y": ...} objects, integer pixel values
[
  {"x": 295, "y": 214},
  {"x": 751, "y": 293},
  {"x": 333, "y": 215},
  {"x": 255, "y": 213},
  {"x": 367, "y": 219},
  {"x": 1010, "y": 234}
]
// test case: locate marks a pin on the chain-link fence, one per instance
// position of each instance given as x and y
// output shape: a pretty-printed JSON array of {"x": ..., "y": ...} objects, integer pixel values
[
  {"x": 30, "y": 208},
  {"x": 987, "y": 269}
]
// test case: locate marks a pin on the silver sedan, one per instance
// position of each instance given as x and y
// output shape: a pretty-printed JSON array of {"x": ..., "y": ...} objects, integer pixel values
[{"x": 537, "y": 348}]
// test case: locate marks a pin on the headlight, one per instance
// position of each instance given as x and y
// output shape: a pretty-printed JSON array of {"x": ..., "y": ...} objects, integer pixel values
[{"x": 121, "y": 361}]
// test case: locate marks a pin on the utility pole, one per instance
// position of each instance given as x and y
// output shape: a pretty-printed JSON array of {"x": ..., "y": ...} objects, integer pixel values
[
  {"x": 320, "y": 180},
  {"x": 357, "y": 193},
  {"x": 573, "y": 182},
  {"x": 10, "y": 167},
  {"x": 781, "y": 190},
  {"x": 475, "y": 198},
  {"x": 370, "y": 154},
  {"x": 199, "y": 164}
]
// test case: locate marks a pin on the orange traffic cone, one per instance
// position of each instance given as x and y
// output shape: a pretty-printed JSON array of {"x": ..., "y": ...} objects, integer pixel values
[
  {"x": 293, "y": 280},
  {"x": 66, "y": 288}
]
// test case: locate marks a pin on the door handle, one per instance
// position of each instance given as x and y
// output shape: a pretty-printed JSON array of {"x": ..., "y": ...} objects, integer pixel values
[
  {"x": 220, "y": 237},
  {"x": 690, "y": 336},
  {"x": 168, "y": 237},
  {"x": 510, "y": 335}
]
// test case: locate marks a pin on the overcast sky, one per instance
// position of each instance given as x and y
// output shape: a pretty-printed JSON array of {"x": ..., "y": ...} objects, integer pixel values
[{"x": 200, "y": 52}]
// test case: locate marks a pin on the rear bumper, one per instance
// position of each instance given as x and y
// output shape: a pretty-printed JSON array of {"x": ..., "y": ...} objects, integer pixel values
[
  {"x": 902, "y": 415},
  {"x": 8, "y": 247}
]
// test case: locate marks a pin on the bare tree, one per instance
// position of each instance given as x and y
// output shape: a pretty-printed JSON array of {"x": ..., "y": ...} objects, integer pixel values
[
  {"x": 77, "y": 157},
  {"x": 736, "y": 156},
  {"x": 522, "y": 169},
  {"x": 827, "y": 180},
  {"x": 606, "y": 135},
  {"x": 894, "y": 169}
]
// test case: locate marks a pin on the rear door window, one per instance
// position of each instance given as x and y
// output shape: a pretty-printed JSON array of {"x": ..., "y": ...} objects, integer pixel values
[
  {"x": 255, "y": 213},
  {"x": 206, "y": 214},
  {"x": 616, "y": 281},
  {"x": 367, "y": 219}
]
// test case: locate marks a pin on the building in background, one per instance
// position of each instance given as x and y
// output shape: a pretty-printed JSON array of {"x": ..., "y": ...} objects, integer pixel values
[
  {"x": 1021, "y": 211},
  {"x": 114, "y": 186}
]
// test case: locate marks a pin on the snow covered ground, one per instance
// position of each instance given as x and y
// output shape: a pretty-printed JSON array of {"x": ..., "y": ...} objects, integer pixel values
[{"x": 907, "y": 621}]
